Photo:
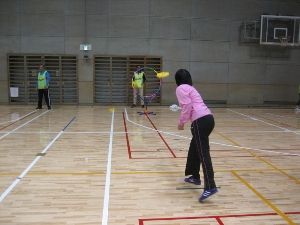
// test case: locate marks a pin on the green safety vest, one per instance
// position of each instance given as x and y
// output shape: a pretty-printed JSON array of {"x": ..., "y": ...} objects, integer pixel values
[
  {"x": 42, "y": 82},
  {"x": 137, "y": 80}
]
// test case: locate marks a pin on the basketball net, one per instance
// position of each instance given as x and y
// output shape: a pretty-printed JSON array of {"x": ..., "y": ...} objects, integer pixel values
[{"x": 283, "y": 41}]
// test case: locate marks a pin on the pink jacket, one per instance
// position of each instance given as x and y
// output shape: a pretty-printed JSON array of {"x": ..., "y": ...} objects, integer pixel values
[{"x": 191, "y": 103}]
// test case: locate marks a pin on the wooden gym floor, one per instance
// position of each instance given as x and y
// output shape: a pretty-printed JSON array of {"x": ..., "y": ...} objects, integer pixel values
[{"x": 103, "y": 165}]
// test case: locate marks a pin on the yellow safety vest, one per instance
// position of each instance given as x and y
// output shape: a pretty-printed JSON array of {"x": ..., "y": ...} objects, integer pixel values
[
  {"x": 137, "y": 80},
  {"x": 42, "y": 83}
]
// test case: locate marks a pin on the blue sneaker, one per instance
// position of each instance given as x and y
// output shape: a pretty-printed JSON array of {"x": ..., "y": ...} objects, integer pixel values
[
  {"x": 192, "y": 180},
  {"x": 207, "y": 193}
]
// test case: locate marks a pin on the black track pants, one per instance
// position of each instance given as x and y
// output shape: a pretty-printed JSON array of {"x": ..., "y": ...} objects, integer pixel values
[
  {"x": 45, "y": 93},
  {"x": 199, "y": 151}
]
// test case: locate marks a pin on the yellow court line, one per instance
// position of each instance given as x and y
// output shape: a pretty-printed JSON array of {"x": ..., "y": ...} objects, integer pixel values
[
  {"x": 97, "y": 173},
  {"x": 281, "y": 171},
  {"x": 261, "y": 159},
  {"x": 266, "y": 201}
]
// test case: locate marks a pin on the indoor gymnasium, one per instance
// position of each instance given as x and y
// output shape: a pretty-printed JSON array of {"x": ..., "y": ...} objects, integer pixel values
[{"x": 149, "y": 112}]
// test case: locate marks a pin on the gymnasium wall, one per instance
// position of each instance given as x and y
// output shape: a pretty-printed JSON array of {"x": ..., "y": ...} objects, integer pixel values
[{"x": 199, "y": 35}]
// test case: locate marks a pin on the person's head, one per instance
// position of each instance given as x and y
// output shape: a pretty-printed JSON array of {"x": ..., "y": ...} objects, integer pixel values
[
  {"x": 139, "y": 68},
  {"x": 41, "y": 67},
  {"x": 182, "y": 76}
]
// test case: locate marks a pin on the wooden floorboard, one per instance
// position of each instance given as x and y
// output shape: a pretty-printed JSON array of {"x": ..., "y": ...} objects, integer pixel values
[{"x": 109, "y": 165}]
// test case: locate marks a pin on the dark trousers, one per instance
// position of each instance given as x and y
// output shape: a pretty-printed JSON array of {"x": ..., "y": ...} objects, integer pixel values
[
  {"x": 199, "y": 151},
  {"x": 45, "y": 93},
  {"x": 298, "y": 103}
]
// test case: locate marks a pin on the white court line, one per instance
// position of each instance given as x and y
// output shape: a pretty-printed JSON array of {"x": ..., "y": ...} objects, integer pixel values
[
  {"x": 216, "y": 143},
  {"x": 256, "y": 149},
  {"x": 104, "y": 132},
  {"x": 23, "y": 174},
  {"x": 3, "y": 136},
  {"x": 136, "y": 132},
  {"x": 38, "y": 157},
  {"x": 11, "y": 187},
  {"x": 280, "y": 116},
  {"x": 149, "y": 128},
  {"x": 80, "y": 132},
  {"x": 33, "y": 132},
  {"x": 108, "y": 173},
  {"x": 253, "y": 118},
  {"x": 11, "y": 121}
]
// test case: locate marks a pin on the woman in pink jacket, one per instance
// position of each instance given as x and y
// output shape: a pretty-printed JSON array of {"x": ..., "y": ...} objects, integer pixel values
[{"x": 193, "y": 109}]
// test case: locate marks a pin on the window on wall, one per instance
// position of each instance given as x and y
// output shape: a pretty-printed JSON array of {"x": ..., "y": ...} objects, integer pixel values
[
  {"x": 23, "y": 70},
  {"x": 112, "y": 78}
]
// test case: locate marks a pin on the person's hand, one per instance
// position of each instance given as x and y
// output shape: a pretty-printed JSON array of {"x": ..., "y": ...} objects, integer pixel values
[{"x": 180, "y": 127}]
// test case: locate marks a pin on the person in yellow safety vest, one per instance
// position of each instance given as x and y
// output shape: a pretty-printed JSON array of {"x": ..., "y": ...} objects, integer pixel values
[
  {"x": 138, "y": 80},
  {"x": 42, "y": 86}
]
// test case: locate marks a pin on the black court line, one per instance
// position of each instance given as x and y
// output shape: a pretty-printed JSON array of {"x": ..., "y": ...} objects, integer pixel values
[
  {"x": 18, "y": 120},
  {"x": 69, "y": 123}
]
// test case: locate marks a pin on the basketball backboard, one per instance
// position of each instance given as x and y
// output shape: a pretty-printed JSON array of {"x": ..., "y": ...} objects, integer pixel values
[{"x": 280, "y": 30}]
